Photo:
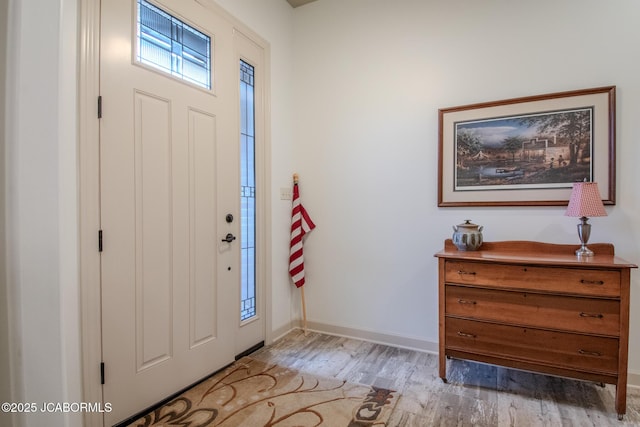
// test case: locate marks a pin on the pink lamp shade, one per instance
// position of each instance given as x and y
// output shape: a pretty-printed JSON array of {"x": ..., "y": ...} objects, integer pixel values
[{"x": 585, "y": 201}]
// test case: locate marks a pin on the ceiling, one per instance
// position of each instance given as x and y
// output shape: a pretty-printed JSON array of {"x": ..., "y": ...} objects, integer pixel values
[{"x": 296, "y": 3}]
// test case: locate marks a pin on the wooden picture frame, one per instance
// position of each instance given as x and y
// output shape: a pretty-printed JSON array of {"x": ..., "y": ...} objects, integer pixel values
[{"x": 527, "y": 151}]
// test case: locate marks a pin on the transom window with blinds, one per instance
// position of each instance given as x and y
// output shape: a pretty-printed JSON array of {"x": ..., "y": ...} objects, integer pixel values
[{"x": 171, "y": 46}]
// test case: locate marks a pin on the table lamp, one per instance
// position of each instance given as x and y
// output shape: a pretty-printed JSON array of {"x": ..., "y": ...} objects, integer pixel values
[{"x": 585, "y": 202}]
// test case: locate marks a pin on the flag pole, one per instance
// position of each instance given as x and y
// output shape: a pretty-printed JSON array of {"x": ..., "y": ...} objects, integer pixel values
[
  {"x": 304, "y": 311},
  {"x": 304, "y": 305}
]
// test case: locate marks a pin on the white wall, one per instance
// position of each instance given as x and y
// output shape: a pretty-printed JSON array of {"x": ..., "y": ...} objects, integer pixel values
[
  {"x": 370, "y": 76},
  {"x": 5, "y": 371},
  {"x": 41, "y": 203},
  {"x": 367, "y": 78}
]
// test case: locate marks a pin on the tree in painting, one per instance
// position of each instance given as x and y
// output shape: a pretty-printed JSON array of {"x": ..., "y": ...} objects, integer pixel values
[
  {"x": 468, "y": 145},
  {"x": 513, "y": 144},
  {"x": 575, "y": 127}
]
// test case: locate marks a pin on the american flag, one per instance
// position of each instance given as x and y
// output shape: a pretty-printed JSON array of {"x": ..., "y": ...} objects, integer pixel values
[{"x": 301, "y": 224}]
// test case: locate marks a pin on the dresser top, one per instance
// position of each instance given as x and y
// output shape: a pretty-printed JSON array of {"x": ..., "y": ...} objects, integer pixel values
[{"x": 520, "y": 251}]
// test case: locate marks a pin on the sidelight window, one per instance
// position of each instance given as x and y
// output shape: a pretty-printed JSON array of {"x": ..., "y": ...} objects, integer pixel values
[{"x": 247, "y": 192}]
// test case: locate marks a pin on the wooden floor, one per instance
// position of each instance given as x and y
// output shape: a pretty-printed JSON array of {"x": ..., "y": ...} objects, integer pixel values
[{"x": 475, "y": 394}]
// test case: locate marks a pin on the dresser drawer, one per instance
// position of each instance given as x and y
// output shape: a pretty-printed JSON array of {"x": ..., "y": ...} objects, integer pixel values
[
  {"x": 578, "y": 281},
  {"x": 558, "y": 349},
  {"x": 577, "y": 314}
]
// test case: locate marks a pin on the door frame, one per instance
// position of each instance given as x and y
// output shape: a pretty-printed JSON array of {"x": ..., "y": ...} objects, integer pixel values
[{"x": 89, "y": 195}]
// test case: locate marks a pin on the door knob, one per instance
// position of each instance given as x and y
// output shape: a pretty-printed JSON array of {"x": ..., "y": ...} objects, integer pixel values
[{"x": 229, "y": 238}]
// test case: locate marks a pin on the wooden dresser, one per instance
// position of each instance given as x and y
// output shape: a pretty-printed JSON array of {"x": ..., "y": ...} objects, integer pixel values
[{"x": 536, "y": 306}]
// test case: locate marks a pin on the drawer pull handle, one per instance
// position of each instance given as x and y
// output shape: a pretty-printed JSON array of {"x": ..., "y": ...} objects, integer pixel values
[
  {"x": 596, "y": 315},
  {"x": 592, "y": 282},
  {"x": 466, "y": 335},
  {"x": 461, "y": 272},
  {"x": 466, "y": 301},
  {"x": 590, "y": 353}
]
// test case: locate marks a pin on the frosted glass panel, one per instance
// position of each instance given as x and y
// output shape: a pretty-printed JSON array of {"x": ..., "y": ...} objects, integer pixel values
[{"x": 247, "y": 193}]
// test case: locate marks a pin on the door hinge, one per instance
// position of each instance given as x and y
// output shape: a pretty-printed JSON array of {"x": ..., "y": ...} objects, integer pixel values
[
  {"x": 101, "y": 372},
  {"x": 99, "y": 240},
  {"x": 100, "y": 106}
]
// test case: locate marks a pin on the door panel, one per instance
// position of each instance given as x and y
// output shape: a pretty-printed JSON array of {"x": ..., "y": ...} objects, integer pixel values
[
  {"x": 153, "y": 229},
  {"x": 202, "y": 296}
]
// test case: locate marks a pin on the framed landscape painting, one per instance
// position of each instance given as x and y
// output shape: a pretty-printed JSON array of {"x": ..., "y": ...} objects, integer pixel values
[{"x": 527, "y": 151}]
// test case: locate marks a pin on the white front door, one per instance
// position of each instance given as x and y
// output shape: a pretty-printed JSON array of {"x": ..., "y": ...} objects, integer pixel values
[{"x": 169, "y": 159}]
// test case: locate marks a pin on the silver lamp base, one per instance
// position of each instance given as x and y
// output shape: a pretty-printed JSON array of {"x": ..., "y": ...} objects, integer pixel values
[
  {"x": 584, "y": 231},
  {"x": 584, "y": 251}
]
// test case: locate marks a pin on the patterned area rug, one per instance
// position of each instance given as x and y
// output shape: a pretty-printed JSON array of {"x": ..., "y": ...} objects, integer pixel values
[{"x": 252, "y": 394}]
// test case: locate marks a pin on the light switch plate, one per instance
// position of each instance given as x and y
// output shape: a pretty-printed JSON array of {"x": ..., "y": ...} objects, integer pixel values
[{"x": 286, "y": 193}]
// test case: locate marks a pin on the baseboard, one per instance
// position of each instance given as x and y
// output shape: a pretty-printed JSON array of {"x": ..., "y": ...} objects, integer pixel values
[
  {"x": 633, "y": 380},
  {"x": 376, "y": 337},
  {"x": 281, "y": 332}
]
